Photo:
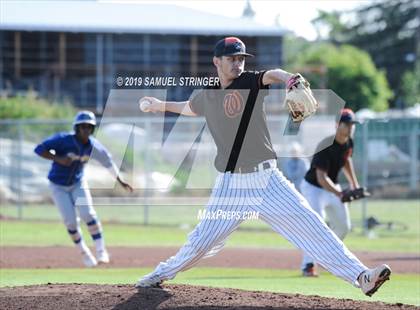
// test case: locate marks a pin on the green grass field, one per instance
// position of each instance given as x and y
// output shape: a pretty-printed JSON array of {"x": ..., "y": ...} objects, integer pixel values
[{"x": 170, "y": 226}]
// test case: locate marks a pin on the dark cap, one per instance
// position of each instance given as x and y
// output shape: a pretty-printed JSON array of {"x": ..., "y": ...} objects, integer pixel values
[
  {"x": 348, "y": 116},
  {"x": 230, "y": 46}
]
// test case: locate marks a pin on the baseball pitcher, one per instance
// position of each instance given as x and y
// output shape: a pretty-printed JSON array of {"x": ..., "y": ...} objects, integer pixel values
[
  {"x": 69, "y": 152},
  {"x": 248, "y": 179}
]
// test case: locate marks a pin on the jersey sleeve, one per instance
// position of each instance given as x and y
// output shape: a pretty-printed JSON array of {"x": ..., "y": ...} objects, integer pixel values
[
  {"x": 320, "y": 160},
  {"x": 197, "y": 101},
  {"x": 101, "y": 154},
  {"x": 253, "y": 80},
  {"x": 51, "y": 143},
  {"x": 259, "y": 80}
]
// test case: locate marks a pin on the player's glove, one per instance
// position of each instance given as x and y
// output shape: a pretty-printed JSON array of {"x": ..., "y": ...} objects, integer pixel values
[
  {"x": 349, "y": 195},
  {"x": 299, "y": 98}
]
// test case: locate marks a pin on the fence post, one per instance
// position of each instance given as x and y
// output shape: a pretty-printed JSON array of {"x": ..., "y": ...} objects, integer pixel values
[
  {"x": 99, "y": 73},
  {"x": 414, "y": 157},
  {"x": 19, "y": 170},
  {"x": 365, "y": 172},
  {"x": 147, "y": 166}
]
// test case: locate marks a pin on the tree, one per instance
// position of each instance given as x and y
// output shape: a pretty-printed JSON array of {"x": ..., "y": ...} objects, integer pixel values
[
  {"x": 292, "y": 47},
  {"x": 389, "y": 30},
  {"x": 329, "y": 26},
  {"x": 350, "y": 73},
  {"x": 411, "y": 87}
]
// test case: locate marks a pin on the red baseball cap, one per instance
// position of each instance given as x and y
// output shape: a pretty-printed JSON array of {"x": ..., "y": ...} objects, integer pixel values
[{"x": 230, "y": 46}]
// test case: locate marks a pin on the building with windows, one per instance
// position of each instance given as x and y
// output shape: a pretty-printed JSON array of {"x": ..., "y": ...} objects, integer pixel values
[{"x": 75, "y": 49}]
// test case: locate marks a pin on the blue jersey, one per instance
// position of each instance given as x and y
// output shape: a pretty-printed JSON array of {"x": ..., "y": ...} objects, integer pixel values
[{"x": 66, "y": 144}]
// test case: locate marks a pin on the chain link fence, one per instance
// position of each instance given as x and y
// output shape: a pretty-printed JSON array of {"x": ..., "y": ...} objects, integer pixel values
[{"x": 172, "y": 176}]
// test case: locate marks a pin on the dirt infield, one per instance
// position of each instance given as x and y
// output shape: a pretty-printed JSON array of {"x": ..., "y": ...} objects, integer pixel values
[
  {"x": 78, "y": 296},
  {"x": 68, "y": 257}
]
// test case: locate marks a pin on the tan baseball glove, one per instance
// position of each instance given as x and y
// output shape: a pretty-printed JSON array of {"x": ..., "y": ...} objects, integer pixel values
[{"x": 299, "y": 98}]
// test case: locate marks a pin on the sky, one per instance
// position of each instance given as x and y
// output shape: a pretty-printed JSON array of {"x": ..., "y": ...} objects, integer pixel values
[{"x": 292, "y": 15}]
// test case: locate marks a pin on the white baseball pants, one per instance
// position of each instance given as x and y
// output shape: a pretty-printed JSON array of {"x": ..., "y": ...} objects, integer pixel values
[{"x": 281, "y": 206}]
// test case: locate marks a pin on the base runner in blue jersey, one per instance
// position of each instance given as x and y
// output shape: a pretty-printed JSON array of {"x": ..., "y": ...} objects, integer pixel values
[
  {"x": 248, "y": 179},
  {"x": 69, "y": 152}
]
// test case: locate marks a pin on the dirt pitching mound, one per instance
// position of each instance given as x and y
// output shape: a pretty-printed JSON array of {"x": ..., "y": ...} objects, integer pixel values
[{"x": 83, "y": 296}]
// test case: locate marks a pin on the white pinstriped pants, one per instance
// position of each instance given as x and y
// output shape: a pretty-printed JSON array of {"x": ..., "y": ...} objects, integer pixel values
[{"x": 281, "y": 206}]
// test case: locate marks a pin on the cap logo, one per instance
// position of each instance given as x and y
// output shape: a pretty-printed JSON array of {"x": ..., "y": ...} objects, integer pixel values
[{"x": 237, "y": 45}]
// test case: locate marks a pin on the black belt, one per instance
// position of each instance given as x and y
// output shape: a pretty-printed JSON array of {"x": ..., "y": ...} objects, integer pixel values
[{"x": 250, "y": 169}]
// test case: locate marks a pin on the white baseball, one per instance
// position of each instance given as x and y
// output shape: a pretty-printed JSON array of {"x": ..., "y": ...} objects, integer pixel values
[{"x": 144, "y": 105}]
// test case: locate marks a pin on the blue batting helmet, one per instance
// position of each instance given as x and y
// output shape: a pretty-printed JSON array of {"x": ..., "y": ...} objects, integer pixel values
[{"x": 85, "y": 117}]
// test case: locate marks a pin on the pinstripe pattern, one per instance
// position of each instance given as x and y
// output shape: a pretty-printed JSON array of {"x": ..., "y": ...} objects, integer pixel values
[
  {"x": 281, "y": 206},
  {"x": 292, "y": 217}
]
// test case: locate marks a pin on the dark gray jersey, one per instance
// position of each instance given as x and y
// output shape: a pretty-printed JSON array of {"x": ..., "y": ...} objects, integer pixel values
[{"x": 236, "y": 119}]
